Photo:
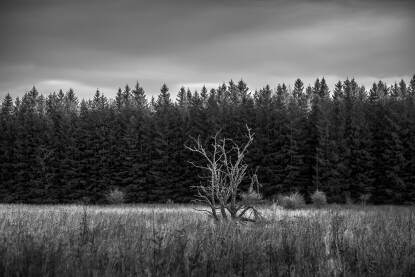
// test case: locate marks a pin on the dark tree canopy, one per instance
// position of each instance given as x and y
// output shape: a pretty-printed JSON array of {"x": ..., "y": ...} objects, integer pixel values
[{"x": 349, "y": 142}]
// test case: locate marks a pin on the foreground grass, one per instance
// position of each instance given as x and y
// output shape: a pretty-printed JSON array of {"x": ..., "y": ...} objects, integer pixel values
[{"x": 178, "y": 241}]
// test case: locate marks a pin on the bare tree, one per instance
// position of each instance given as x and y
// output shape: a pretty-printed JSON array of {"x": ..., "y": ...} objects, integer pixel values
[{"x": 226, "y": 170}]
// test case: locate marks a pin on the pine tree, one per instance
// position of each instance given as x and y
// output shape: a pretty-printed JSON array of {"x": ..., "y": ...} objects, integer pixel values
[
  {"x": 408, "y": 141},
  {"x": 204, "y": 95},
  {"x": 30, "y": 134},
  {"x": 388, "y": 153},
  {"x": 336, "y": 146},
  {"x": 71, "y": 102},
  {"x": 411, "y": 88},
  {"x": 356, "y": 156},
  {"x": 292, "y": 180},
  {"x": 7, "y": 105},
  {"x": 298, "y": 89},
  {"x": 278, "y": 144},
  {"x": 182, "y": 98},
  {"x": 316, "y": 143},
  {"x": 7, "y": 148},
  {"x": 163, "y": 100},
  {"x": 161, "y": 164},
  {"x": 373, "y": 93},
  {"x": 403, "y": 90},
  {"x": 139, "y": 96},
  {"x": 261, "y": 149},
  {"x": 323, "y": 91},
  {"x": 119, "y": 100},
  {"x": 126, "y": 96}
]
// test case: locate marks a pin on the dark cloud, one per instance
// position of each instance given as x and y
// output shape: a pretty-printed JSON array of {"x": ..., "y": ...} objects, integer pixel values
[{"x": 105, "y": 43}]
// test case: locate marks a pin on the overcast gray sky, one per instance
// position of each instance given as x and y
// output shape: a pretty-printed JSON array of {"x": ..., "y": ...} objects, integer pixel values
[{"x": 105, "y": 43}]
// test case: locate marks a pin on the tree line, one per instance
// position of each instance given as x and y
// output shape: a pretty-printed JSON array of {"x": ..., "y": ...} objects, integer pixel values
[{"x": 350, "y": 142}]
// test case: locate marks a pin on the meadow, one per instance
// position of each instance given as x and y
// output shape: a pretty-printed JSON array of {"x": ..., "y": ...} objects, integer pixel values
[{"x": 177, "y": 240}]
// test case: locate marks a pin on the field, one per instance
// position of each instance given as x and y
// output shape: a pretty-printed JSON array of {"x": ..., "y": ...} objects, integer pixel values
[{"x": 176, "y": 240}]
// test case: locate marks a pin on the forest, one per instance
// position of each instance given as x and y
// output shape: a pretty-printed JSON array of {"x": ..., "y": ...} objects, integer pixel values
[{"x": 351, "y": 142}]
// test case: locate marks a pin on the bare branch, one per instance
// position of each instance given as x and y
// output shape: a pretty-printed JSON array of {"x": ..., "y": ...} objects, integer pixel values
[{"x": 227, "y": 170}]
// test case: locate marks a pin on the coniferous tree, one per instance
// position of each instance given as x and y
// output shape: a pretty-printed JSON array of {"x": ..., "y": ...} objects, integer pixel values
[
  {"x": 356, "y": 144},
  {"x": 408, "y": 141},
  {"x": 292, "y": 180},
  {"x": 7, "y": 148},
  {"x": 139, "y": 96},
  {"x": 336, "y": 147},
  {"x": 7, "y": 105},
  {"x": 411, "y": 88}
]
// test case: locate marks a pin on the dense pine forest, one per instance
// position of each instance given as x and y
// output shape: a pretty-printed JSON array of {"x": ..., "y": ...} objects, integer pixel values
[{"x": 350, "y": 142}]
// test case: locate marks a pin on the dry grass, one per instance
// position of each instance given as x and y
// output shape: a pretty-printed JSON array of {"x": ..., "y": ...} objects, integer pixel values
[{"x": 175, "y": 240}]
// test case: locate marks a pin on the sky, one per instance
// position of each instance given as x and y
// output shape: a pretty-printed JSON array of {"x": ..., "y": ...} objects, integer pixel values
[{"x": 105, "y": 44}]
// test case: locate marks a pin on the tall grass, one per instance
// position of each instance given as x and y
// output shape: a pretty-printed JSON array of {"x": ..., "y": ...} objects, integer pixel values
[{"x": 178, "y": 241}]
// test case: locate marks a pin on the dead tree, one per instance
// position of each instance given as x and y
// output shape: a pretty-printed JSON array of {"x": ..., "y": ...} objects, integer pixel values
[{"x": 226, "y": 170}]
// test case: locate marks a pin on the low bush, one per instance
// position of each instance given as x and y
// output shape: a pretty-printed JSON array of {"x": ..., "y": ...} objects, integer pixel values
[
  {"x": 364, "y": 198},
  {"x": 115, "y": 196},
  {"x": 251, "y": 197},
  {"x": 292, "y": 201},
  {"x": 319, "y": 198}
]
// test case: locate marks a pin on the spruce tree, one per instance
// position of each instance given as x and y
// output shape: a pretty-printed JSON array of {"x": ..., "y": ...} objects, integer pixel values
[
  {"x": 139, "y": 96},
  {"x": 411, "y": 88},
  {"x": 7, "y": 105}
]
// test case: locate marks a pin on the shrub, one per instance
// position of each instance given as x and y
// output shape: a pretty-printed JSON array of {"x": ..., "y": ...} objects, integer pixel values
[
  {"x": 293, "y": 201},
  {"x": 319, "y": 198},
  {"x": 251, "y": 197},
  {"x": 348, "y": 199},
  {"x": 364, "y": 198},
  {"x": 115, "y": 196}
]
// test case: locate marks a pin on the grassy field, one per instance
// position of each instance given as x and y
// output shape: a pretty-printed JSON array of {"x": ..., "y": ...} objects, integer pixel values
[{"x": 176, "y": 240}]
